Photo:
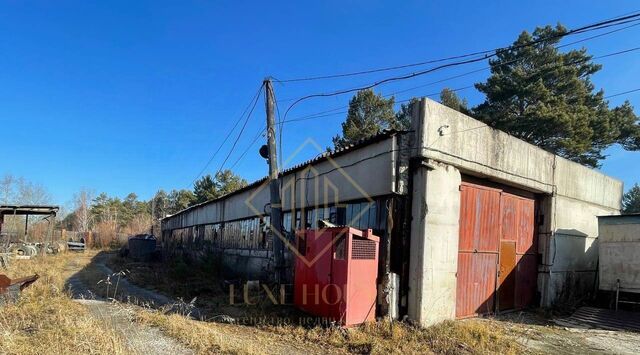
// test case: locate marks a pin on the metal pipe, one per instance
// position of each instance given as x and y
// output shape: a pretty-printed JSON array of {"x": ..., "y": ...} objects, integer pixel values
[{"x": 617, "y": 293}]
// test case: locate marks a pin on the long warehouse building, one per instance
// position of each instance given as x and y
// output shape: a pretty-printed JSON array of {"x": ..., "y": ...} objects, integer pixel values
[{"x": 471, "y": 220}]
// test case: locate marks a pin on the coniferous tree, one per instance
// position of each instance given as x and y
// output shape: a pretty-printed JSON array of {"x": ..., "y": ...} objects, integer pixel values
[
  {"x": 450, "y": 99},
  {"x": 368, "y": 114},
  {"x": 546, "y": 97},
  {"x": 631, "y": 200}
]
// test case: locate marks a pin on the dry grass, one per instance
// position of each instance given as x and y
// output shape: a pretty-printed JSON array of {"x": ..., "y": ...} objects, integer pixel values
[
  {"x": 449, "y": 337},
  {"x": 204, "y": 338},
  {"x": 46, "y": 320},
  {"x": 467, "y": 337}
]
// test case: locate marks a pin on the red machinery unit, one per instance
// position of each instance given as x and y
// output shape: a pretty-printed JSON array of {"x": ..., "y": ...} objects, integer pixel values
[{"x": 335, "y": 274}]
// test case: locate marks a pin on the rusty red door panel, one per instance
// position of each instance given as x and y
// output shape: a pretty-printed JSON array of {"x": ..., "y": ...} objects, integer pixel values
[
  {"x": 497, "y": 229},
  {"x": 527, "y": 242},
  {"x": 478, "y": 250},
  {"x": 507, "y": 275},
  {"x": 476, "y": 283},
  {"x": 479, "y": 219},
  {"x": 510, "y": 217}
]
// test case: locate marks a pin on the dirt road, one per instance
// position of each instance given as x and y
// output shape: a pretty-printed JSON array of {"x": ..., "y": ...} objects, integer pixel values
[{"x": 145, "y": 339}]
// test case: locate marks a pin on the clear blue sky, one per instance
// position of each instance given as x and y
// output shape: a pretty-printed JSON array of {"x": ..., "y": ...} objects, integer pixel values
[{"x": 132, "y": 96}]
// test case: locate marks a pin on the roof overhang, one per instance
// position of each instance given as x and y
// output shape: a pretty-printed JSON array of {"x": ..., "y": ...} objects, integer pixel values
[{"x": 21, "y": 210}]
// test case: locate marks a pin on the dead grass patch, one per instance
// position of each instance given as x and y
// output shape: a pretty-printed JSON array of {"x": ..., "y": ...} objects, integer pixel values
[
  {"x": 202, "y": 337},
  {"x": 46, "y": 320},
  {"x": 448, "y": 337}
]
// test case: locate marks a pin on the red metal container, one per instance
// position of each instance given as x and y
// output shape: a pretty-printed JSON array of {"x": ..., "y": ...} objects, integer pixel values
[{"x": 335, "y": 274}]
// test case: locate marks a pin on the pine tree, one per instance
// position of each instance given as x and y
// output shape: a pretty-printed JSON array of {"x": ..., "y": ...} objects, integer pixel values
[
  {"x": 631, "y": 200},
  {"x": 546, "y": 97},
  {"x": 368, "y": 114},
  {"x": 450, "y": 99},
  {"x": 224, "y": 182}
]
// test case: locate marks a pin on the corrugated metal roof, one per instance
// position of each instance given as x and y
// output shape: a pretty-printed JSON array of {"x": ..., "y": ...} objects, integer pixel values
[
  {"x": 384, "y": 134},
  {"x": 29, "y": 209}
]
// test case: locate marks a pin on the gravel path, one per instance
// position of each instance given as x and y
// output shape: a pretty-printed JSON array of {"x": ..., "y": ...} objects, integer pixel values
[{"x": 140, "y": 339}]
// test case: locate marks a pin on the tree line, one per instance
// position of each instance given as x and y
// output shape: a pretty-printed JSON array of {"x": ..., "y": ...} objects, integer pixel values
[{"x": 111, "y": 215}]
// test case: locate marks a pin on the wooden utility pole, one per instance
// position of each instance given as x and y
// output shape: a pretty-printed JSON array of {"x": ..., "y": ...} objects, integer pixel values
[{"x": 274, "y": 185}]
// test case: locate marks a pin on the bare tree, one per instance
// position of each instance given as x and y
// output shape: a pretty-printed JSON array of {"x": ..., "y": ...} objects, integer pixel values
[
  {"x": 31, "y": 194},
  {"x": 7, "y": 186},
  {"x": 82, "y": 205}
]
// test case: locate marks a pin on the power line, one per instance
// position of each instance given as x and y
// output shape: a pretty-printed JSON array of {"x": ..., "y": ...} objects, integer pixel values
[
  {"x": 244, "y": 125},
  {"x": 227, "y": 136},
  {"x": 506, "y": 63},
  {"x": 264, "y": 129},
  {"x": 328, "y": 112},
  {"x": 315, "y": 116},
  {"x": 597, "y": 26},
  {"x": 584, "y": 29},
  {"x": 622, "y": 93},
  {"x": 603, "y": 24}
]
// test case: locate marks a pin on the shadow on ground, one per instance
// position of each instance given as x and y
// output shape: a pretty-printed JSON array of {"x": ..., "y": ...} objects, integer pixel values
[{"x": 185, "y": 289}]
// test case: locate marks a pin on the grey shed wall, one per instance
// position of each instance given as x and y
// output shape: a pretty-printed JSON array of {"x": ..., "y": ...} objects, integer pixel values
[
  {"x": 619, "y": 239},
  {"x": 229, "y": 226}
]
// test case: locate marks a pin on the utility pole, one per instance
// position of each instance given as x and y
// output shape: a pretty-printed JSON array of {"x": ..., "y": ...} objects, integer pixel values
[{"x": 274, "y": 184}]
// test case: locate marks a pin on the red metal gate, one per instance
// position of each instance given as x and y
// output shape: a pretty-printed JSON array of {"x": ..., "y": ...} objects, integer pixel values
[{"x": 496, "y": 252}]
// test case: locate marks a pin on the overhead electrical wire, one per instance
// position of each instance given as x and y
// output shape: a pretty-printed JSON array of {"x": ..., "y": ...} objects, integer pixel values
[
  {"x": 244, "y": 125},
  {"x": 622, "y": 93},
  {"x": 629, "y": 17},
  {"x": 255, "y": 139},
  {"x": 310, "y": 117},
  {"x": 326, "y": 113},
  {"x": 596, "y": 26},
  {"x": 257, "y": 94},
  {"x": 332, "y": 112},
  {"x": 633, "y": 18},
  {"x": 506, "y": 63}
]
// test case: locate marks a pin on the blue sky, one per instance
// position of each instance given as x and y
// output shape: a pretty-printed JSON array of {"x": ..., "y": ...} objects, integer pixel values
[{"x": 133, "y": 96}]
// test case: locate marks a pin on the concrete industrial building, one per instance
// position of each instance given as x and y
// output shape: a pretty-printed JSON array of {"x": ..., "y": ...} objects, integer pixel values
[{"x": 471, "y": 219}]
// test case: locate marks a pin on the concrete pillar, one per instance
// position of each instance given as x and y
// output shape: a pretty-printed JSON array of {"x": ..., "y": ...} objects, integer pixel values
[
  {"x": 435, "y": 211},
  {"x": 433, "y": 261}
]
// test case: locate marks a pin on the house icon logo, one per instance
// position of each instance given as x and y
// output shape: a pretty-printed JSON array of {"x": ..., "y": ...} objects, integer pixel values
[{"x": 316, "y": 185}]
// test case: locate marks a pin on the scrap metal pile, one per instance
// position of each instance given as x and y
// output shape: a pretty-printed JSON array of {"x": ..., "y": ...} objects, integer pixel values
[{"x": 10, "y": 288}]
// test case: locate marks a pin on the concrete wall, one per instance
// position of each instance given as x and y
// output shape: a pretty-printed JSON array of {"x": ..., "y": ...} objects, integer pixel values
[
  {"x": 571, "y": 196},
  {"x": 451, "y": 137},
  {"x": 581, "y": 195},
  {"x": 619, "y": 253},
  {"x": 434, "y": 243}
]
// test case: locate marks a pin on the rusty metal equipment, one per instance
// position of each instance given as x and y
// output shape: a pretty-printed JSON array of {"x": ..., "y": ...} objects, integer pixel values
[
  {"x": 335, "y": 274},
  {"x": 10, "y": 288}
]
